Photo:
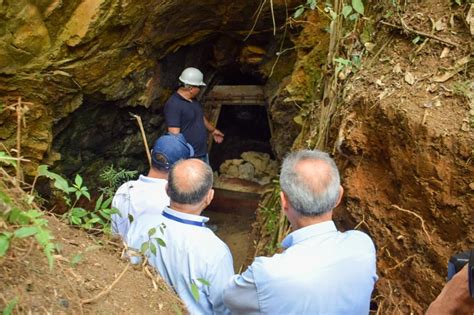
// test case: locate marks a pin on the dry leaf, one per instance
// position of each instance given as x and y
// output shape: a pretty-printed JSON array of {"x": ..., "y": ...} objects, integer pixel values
[
  {"x": 440, "y": 25},
  {"x": 458, "y": 66},
  {"x": 445, "y": 52},
  {"x": 409, "y": 78},
  {"x": 369, "y": 46},
  {"x": 379, "y": 83},
  {"x": 437, "y": 103},
  {"x": 470, "y": 18},
  {"x": 397, "y": 68}
]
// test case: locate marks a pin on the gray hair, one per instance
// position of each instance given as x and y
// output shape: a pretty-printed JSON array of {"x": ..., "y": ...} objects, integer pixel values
[
  {"x": 310, "y": 193},
  {"x": 189, "y": 181}
]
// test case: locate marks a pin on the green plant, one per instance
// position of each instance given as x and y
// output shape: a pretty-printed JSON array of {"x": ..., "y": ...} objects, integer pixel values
[
  {"x": 195, "y": 289},
  {"x": 113, "y": 178},
  {"x": 19, "y": 216},
  {"x": 349, "y": 11},
  {"x": 149, "y": 244},
  {"x": 98, "y": 218},
  {"x": 10, "y": 306}
]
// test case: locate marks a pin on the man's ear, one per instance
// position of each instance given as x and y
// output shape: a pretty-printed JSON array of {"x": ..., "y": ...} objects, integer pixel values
[
  {"x": 284, "y": 201},
  {"x": 166, "y": 189},
  {"x": 210, "y": 196},
  {"x": 341, "y": 192}
]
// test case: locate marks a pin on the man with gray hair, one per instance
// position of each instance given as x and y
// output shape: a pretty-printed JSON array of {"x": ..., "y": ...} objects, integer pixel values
[
  {"x": 188, "y": 255},
  {"x": 322, "y": 271}
]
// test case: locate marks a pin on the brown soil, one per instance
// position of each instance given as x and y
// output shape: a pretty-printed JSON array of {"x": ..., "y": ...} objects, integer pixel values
[
  {"x": 25, "y": 274},
  {"x": 234, "y": 230},
  {"x": 406, "y": 150}
]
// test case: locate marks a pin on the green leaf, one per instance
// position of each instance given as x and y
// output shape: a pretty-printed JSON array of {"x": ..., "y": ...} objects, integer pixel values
[
  {"x": 4, "y": 244},
  {"x": 85, "y": 193},
  {"x": 195, "y": 291},
  {"x": 76, "y": 220},
  {"x": 130, "y": 218},
  {"x": 353, "y": 16},
  {"x": 144, "y": 247},
  {"x": 7, "y": 159},
  {"x": 59, "y": 182},
  {"x": 312, "y": 4},
  {"x": 204, "y": 281},
  {"x": 78, "y": 180},
  {"x": 346, "y": 10},
  {"x": 78, "y": 212},
  {"x": 114, "y": 210},
  {"x": 160, "y": 242},
  {"x": 299, "y": 11},
  {"x": 107, "y": 203},
  {"x": 4, "y": 197},
  {"x": 98, "y": 203},
  {"x": 332, "y": 14},
  {"x": 76, "y": 259},
  {"x": 153, "y": 248},
  {"x": 25, "y": 231},
  {"x": 358, "y": 6},
  {"x": 416, "y": 40},
  {"x": 151, "y": 232},
  {"x": 10, "y": 306}
]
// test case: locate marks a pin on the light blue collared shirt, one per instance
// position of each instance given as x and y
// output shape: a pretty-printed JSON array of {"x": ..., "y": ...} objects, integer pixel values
[
  {"x": 322, "y": 271},
  {"x": 135, "y": 196},
  {"x": 192, "y": 252}
]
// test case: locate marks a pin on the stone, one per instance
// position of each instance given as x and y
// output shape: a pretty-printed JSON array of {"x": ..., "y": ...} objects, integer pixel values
[
  {"x": 246, "y": 171},
  {"x": 258, "y": 159}
]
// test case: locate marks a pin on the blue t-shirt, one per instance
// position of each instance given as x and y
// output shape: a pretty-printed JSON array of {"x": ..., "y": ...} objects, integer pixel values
[{"x": 189, "y": 117}]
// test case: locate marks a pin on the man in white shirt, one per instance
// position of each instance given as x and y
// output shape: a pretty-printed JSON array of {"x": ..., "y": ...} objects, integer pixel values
[
  {"x": 187, "y": 254},
  {"x": 148, "y": 192},
  {"x": 322, "y": 271}
]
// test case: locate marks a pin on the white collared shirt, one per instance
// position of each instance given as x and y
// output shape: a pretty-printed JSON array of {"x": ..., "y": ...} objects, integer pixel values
[
  {"x": 136, "y": 196},
  {"x": 322, "y": 271},
  {"x": 192, "y": 252}
]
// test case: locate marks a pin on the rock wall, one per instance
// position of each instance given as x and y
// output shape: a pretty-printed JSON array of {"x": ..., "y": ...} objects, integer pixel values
[{"x": 59, "y": 55}]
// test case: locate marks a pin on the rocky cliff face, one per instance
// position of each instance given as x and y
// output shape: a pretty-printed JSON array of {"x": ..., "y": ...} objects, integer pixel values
[{"x": 59, "y": 55}]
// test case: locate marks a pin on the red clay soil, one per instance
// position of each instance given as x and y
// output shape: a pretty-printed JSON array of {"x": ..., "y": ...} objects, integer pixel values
[
  {"x": 24, "y": 273},
  {"x": 406, "y": 150}
]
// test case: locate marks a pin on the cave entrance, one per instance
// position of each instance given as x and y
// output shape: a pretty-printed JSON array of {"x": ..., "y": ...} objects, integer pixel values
[{"x": 240, "y": 162}]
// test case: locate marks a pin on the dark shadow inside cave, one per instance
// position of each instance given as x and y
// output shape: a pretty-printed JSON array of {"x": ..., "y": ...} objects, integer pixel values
[{"x": 246, "y": 128}]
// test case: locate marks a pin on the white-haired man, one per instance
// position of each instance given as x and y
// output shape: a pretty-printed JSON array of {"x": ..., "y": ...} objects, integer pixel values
[{"x": 322, "y": 271}]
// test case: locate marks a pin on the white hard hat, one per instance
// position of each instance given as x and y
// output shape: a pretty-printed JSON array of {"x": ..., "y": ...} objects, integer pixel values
[{"x": 192, "y": 76}]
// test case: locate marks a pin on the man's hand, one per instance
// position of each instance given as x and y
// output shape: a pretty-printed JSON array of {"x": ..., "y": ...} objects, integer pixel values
[
  {"x": 454, "y": 298},
  {"x": 218, "y": 136}
]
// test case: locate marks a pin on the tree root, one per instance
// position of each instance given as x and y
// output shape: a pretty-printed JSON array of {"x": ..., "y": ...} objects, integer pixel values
[
  {"x": 107, "y": 290},
  {"x": 419, "y": 217},
  {"x": 427, "y": 35}
]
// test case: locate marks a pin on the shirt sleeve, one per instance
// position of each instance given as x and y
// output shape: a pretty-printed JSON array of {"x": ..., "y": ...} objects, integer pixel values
[
  {"x": 240, "y": 294},
  {"x": 223, "y": 272},
  {"x": 172, "y": 115}
]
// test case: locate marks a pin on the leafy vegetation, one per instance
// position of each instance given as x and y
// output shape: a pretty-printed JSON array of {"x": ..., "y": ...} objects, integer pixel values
[
  {"x": 113, "y": 178},
  {"x": 20, "y": 216}
]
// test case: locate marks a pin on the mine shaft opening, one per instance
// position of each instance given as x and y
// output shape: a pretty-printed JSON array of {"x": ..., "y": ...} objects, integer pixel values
[
  {"x": 243, "y": 163},
  {"x": 246, "y": 128}
]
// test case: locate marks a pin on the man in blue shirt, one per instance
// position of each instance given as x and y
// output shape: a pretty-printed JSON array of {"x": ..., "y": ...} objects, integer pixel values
[
  {"x": 184, "y": 114},
  {"x": 190, "y": 255},
  {"x": 322, "y": 271}
]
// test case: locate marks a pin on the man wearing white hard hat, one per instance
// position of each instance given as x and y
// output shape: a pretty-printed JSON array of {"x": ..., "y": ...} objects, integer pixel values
[{"x": 184, "y": 114}]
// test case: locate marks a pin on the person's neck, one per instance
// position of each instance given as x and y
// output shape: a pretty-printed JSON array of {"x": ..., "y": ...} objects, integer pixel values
[
  {"x": 299, "y": 221},
  {"x": 155, "y": 173},
  {"x": 185, "y": 208},
  {"x": 184, "y": 94}
]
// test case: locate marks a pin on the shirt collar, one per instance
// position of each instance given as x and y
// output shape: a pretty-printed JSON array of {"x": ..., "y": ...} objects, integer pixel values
[
  {"x": 186, "y": 216},
  {"x": 148, "y": 179},
  {"x": 184, "y": 99},
  {"x": 307, "y": 232}
]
